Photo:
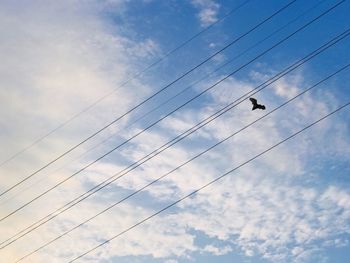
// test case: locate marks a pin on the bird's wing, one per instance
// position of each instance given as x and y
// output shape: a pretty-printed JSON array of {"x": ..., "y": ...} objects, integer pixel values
[{"x": 254, "y": 101}]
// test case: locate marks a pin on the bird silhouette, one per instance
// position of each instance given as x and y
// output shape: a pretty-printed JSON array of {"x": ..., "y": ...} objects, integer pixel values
[{"x": 256, "y": 105}]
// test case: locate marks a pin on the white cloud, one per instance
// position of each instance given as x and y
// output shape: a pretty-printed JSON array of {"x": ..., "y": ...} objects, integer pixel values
[
  {"x": 208, "y": 11},
  {"x": 260, "y": 209},
  {"x": 265, "y": 209},
  {"x": 60, "y": 58},
  {"x": 148, "y": 48},
  {"x": 217, "y": 251}
]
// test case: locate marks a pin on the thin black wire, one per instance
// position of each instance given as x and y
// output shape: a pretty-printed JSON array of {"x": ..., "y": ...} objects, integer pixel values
[
  {"x": 185, "y": 163},
  {"x": 170, "y": 113},
  {"x": 211, "y": 182},
  {"x": 178, "y": 94},
  {"x": 176, "y": 139},
  {"x": 152, "y": 96},
  {"x": 135, "y": 76}
]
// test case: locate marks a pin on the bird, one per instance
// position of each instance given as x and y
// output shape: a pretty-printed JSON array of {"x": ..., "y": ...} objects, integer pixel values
[{"x": 256, "y": 105}]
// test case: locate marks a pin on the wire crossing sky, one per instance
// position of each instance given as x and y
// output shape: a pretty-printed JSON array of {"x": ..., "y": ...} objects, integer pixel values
[
  {"x": 207, "y": 150},
  {"x": 149, "y": 98},
  {"x": 163, "y": 104},
  {"x": 124, "y": 83},
  {"x": 211, "y": 182},
  {"x": 177, "y": 139},
  {"x": 185, "y": 72},
  {"x": 176, "y": 109}
]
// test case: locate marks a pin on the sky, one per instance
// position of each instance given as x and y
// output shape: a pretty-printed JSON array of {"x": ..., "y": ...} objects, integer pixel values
[{"x": 70, "y": 68}]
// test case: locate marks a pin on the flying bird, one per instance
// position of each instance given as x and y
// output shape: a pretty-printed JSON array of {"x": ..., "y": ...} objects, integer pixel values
[{"x": 256, "y": 105}]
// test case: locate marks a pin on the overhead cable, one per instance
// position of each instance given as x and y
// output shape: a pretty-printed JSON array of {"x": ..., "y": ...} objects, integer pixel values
[
  {"x": 175, "y": 140},
  {"x": 209, "y": 183},
  {"x": 134, "y": 76},
  {"x": 170, "y": 113},
  {"x": 185, "y": 163},
  {"x": 170, "y": 99},
  {"x": 152, "y": 96}
]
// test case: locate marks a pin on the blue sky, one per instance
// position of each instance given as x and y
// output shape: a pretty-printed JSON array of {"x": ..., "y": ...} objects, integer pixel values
[{"x": 290, "y": 205}]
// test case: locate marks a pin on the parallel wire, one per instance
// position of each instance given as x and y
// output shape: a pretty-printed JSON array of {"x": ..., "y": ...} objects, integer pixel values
[
  {"x": 176, "y": 109},
  {"x": 173, "y": 141},
  {"x": 210, "y": 183},
  {"x": 173, "y": 97},
  {"x": 185, "y": 163},
  {"x": 152, "y": 96},
  {"x": 135, "y": 76}
]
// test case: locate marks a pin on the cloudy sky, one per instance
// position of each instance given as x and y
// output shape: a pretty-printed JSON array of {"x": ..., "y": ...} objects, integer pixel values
[{"x": 71, "y": 67}]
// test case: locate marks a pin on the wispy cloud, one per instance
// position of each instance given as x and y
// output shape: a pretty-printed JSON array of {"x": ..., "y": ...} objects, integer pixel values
[
  {"x": 62, "y": 56},
  {"x": 270, "y": 208},
  {"x": 263, "y": 209},
  {"x": 208, "y": 11}
]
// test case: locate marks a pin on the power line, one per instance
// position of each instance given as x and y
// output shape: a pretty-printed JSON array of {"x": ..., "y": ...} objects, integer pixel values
[
  {"x": 185, "y": 163},
  {"x": 113, "y": 177},
  {"x": 135, "y": 76},
  {"x": 176, "y": 95},
  {"x": 152, "y": 96},
  {"x": 173, "y": 141},
  {"x": 176, "y": 109},
  {"x": 210, "y": 183}
]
